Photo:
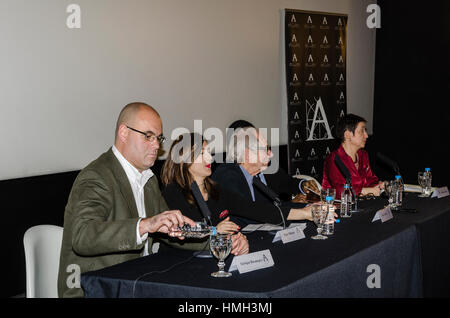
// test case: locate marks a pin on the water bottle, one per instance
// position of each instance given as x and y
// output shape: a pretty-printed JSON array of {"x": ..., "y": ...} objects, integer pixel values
[
  {"x": 428, "y": 181},
  {"x": 398, "y": 199},
  {"x": 328, "y": 227},
  {"x": 200, "y": 230},
  {"x": 346, "y": 202}
]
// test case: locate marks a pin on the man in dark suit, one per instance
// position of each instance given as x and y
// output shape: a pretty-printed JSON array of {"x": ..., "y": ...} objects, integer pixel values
[
  {"x": 115, "y": 205},
  {"x": 248, "y": 155}
]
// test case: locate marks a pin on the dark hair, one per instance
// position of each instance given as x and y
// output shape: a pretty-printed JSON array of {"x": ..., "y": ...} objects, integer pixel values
[
  {"x": 176, "y": 167},
  {"x": 240, "y": 124},
  {"x": 348, "y": 122}
]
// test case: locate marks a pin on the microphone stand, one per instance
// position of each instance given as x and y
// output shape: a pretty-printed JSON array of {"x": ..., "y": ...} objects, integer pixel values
[
  {"x": 277, "y": 203},
  {"x": 206, "y": 215}
]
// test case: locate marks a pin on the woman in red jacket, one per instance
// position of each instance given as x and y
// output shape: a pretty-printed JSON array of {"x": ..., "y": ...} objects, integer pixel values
[{"x": 351, "y": 130}]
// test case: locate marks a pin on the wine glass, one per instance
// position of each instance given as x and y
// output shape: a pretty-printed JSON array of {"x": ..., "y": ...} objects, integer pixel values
[
  {"x": 319, "y": 214},
  {"x": 221, "y": 244},
  {"x": 422, "y": 177}
]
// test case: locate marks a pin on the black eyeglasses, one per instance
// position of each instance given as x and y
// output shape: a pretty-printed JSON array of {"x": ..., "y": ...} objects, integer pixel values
[{"x": 149, "y": 136}]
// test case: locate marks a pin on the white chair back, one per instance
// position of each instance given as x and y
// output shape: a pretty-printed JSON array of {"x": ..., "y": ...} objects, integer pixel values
[{"x": 42, "y": 245}]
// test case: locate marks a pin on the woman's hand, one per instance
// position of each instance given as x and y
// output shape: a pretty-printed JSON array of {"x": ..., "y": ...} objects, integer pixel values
[{"x": 228, "y": 227}]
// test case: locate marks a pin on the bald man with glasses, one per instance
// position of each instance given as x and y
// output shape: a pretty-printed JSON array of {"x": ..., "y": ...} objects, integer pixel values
[{"x": 115, "y": 206}]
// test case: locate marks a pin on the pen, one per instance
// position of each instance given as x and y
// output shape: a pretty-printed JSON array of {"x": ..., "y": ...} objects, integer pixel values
[{"x": 312, "y": 191}]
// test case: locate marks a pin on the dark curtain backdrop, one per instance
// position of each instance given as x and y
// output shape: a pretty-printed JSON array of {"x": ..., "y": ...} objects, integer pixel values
[
  {"x": 412, "y": 88},
  {"x": 316, "y": 60}
]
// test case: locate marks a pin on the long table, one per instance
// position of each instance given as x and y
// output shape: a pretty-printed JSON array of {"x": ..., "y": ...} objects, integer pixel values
[{"x": 411, "y": 252}]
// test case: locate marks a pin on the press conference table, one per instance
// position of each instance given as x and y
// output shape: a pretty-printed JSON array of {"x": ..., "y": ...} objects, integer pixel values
[{"x": 411, "y": 250}]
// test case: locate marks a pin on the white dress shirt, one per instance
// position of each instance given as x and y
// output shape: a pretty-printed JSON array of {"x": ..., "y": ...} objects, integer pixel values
[{"x": 137, "y": 182}]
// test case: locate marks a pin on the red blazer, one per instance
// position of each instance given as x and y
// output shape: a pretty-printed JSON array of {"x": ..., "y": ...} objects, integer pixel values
[{"x": 361, "y": 178}]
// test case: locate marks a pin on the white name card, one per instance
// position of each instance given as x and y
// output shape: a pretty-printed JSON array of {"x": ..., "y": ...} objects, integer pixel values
[
  {"x": 293, "y": 233},
  {"x": 383, "y": 215},
  {"x": 440, "y": 193},
  {"x": 252, "y": 262}
]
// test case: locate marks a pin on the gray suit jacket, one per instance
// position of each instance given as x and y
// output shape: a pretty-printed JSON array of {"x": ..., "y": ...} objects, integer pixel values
[{"x": 100, "y": 222}]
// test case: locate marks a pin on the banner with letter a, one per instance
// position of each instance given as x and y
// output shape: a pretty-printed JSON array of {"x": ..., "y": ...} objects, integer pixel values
[{"x": 315, "y": 46}]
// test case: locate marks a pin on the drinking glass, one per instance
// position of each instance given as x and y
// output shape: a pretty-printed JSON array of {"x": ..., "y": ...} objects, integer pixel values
[
  {"x": 220, "y": 245},
  {"x": 319, "y": 214},
  {"x": 425, "y": 184},
  {"x": 327, "y": 193},
  {"x": 390, "y": 188},
  {"x": 428, "y": 190}
]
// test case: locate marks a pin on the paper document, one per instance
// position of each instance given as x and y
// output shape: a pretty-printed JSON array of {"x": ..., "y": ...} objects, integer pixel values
[
  {"x": 302, "y": 225},
  {"x": 261, "y": 227}
]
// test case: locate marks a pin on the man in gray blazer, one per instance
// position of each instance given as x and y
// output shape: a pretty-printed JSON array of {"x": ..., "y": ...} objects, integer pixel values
[{"x": 115, "y": 205}]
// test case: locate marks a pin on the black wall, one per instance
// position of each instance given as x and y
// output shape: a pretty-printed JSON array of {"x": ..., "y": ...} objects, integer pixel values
[
  {"x": 27, "y": 202},
  {"x": 412, "y": 87}
]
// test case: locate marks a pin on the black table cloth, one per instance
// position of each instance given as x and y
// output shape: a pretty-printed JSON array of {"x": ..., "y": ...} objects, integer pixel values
[{"x": 408, "y": 250}]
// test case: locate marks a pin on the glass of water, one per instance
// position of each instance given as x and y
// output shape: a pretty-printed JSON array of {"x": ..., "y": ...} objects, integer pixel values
[
  {"x": 319, "y": 214},
  {"x": 390, "y": 188},
  {"x": 424, "y": 180},
  {"x": 220, "y": 245}
]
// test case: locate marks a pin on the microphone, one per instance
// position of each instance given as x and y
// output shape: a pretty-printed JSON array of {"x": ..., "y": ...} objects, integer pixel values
[
  {"x": 201, "y": 202},
  {"x": 206, "y": 215},
  {"x": 266, "y": 190},
  {"x": 389, "y": 162},
  {"x": 272, "y": 195},
  {"x": 348, "y": 178},
  {"x": 343, "y": 169}
]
